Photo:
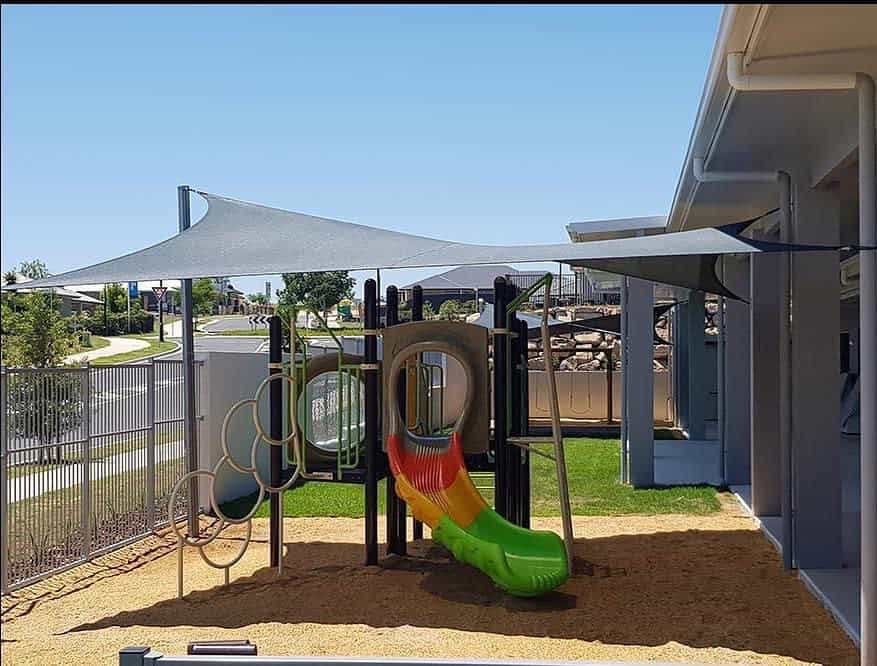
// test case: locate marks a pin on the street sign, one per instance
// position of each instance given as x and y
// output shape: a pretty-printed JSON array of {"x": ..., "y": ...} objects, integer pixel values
[
  {"x": 133, "y": 292},
  {"x": 159, "y": 293}
]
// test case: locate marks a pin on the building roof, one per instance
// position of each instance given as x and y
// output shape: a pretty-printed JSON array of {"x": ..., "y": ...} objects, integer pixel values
[
  {"x": 625, "y": 227},
  {"x": 58, "y": 291},
  {"x": 465, "y": 277}
]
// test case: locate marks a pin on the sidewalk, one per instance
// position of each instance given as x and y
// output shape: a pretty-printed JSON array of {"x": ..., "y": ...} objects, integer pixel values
[{"x": 116, "y": 346}]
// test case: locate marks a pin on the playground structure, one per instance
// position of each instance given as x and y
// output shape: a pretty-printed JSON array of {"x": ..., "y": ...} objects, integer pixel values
[{"x": 344, "y": 418}]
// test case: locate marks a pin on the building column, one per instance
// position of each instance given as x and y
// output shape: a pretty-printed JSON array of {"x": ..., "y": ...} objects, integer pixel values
[
  {"x": 764, "y": 377},
  {"x": 736, "y": 393},
  {"x": 815, "y": 361},
  {"x": 640, "y": 385},
  {"x": 698, "y": 387}
]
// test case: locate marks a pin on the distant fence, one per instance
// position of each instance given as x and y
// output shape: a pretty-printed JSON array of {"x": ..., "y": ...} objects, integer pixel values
[{"x": 89, "y": 457}]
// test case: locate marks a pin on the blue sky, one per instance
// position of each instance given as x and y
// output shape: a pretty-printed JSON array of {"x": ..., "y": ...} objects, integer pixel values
[{"x": 485, "y": 124}]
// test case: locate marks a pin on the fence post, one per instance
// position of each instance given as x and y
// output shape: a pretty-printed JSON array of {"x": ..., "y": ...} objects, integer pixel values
[
  {"x": 150, "y": 445},
  {"x": 4, "y": 491},
  {"x": 86, "y": 463}
]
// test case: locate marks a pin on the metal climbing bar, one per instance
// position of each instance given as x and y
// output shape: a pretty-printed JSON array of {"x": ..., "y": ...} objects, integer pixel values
[{"x": 556, "y": 432}]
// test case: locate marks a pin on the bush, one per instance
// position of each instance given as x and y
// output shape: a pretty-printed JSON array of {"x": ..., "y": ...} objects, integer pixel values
[{"x": 117, "y": 322}]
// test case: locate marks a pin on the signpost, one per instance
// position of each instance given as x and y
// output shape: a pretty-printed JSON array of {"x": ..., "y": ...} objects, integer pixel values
[
  {"x": 133, "y": 292},
  {"x": 159, "y": 292}
]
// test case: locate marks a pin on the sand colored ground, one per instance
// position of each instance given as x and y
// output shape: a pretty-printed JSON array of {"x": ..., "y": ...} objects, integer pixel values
[{"x": 704, "y": 589}]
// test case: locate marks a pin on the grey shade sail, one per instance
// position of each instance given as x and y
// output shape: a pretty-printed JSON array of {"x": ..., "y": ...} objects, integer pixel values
[
  {"x": 602, "y": 323},
  {"x": 236, "y": 238},
  {"x": 534, "y": 321},
  {"x": 696, "y": 272}
]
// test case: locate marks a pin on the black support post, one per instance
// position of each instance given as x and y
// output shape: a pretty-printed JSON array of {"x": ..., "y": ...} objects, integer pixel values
[
  {"x": 372, "y": 389},
  {"x": 500, "y": 397},
  {"x": 275, "y": 402},
  {"x": 416, "y": 315},
  {"x": 513, "y": 457},
  {"x": 524, "y": 361},
  {"x": 396, "y": 508}
]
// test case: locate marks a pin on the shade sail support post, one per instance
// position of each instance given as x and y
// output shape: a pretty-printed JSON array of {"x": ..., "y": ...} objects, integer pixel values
[{"x": 187, "y": 335}]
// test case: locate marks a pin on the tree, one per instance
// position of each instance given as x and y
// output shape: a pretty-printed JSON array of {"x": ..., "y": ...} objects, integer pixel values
[
  {"x": 40, "y": 336},
  {"x": 35, "y": 269},
  {"x": 204, "y": 297},
  {"x": 10, "y": 277},
  {"x": 42, "y": 405},
  {"x": 116, "y": 297},
  {"x": 258, "y": 299},
  {"x": 428, "y": 310},
  {"x": 318, "y": 291},
  {"x": 450, "y": 309}
]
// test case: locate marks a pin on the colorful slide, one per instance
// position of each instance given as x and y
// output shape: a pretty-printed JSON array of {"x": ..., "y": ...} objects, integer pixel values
[{"x": 432, "y": 479}]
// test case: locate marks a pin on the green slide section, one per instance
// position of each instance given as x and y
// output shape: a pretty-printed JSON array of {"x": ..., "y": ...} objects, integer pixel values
[{"x": 523, "y": 562}]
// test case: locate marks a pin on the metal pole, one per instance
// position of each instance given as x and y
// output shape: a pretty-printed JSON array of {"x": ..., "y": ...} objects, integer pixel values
[
  {"x": 868, "y": 363},
  {"x": 500, "y": 393},
  {"x": 786, "y": 471},
  {"x": 720, "y": 371},
  {"x": 524, "y": 360},
  {"x": 128, "y": 292},
  {"x": 623, "y": 471},
  {"x": 610, "y": 366},
  {"x": 371, "y": 423},
  {"x": 190, "y": 424},
  {"x": 150, "y": 444},
  {"x": 514, "y": 452},
  {"x": 396, "y": 507},
  {"x": 4, "y": 489},
  {"x": 161, "y": 313},
  {"x": 416, "y": 315},
  {"x": 106, "y": 315},
  {"x": 85, "y": 498},
  {"x": 275, "y": 401}
]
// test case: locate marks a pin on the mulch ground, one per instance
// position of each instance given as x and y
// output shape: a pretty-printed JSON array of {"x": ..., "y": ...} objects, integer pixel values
[{"x": 704, "y": 589}]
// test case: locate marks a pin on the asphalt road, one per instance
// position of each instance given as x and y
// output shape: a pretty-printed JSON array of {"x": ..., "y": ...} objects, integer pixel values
[{"x": 230, "y": 323}]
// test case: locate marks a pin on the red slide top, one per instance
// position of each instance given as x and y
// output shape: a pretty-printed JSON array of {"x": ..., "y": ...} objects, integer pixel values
[{"x": 429, "y": 470}]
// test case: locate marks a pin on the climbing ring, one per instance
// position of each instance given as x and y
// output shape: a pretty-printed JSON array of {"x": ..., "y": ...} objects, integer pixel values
[
  {"x": 267, "y": 487},
  {"x": 224, "y": 434},
  {"x": 184, "y": 538},
  {"x": 258, "y": 421},
  {"x": 234, "y": 560},
  {"x": 215, "y": 505}
]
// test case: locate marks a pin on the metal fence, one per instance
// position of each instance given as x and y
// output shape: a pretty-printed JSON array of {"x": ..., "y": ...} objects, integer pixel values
[{"x": 89, "y": 457}]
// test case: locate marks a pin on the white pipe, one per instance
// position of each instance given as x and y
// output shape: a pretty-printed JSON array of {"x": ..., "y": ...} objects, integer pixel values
[
  {"x": 741, "y": 81},
  {"x": 868, "y": 364},
  {"x": 863, "y": 84},
  {"x": 704, "y": 176},
  {"x": 784, "y": 334}
]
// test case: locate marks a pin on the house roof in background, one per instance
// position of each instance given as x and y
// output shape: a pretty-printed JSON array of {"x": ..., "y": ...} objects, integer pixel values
[{"x": 465, "y": 277}]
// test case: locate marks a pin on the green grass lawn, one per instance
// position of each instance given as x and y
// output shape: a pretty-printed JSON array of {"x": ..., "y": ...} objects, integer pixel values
[
  {"x": 593, "y": 469},
  {"x": 155, "y": 347}
]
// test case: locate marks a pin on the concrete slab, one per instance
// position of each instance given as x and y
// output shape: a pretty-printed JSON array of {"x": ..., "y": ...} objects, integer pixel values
[{"x": 838, "y": 590}]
